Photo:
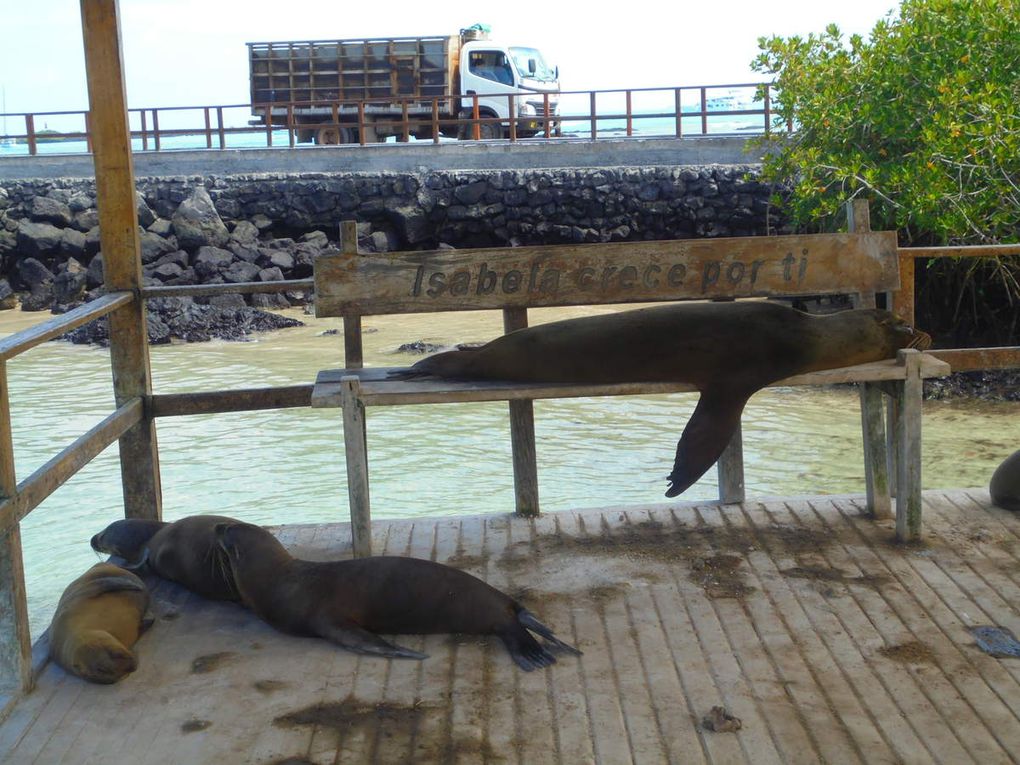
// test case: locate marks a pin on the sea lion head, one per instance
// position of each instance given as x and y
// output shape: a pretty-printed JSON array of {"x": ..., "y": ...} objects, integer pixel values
[
  {"x": 100, "y": 658},
  {"x": 901, "y": 334},
  {"x": 127, "y": 538}
]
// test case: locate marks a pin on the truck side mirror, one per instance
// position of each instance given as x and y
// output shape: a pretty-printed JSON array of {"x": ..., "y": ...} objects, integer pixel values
[
  {"x": 556, "y": 71},
  {"x": 532, "y": 66}
]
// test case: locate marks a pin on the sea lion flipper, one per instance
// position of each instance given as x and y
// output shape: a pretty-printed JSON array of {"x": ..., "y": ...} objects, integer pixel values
[
  {"x": 358, "y": 640},
  {"x": 531, "y": 622},
  {"x": 706, "y": 436}
]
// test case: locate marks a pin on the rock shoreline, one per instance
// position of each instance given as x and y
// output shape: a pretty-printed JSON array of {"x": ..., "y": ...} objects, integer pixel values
[{"x": 215, "y": 230}]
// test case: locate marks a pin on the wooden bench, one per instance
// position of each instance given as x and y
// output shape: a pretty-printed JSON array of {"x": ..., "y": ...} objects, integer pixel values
[{"x": 862, "y": 263}]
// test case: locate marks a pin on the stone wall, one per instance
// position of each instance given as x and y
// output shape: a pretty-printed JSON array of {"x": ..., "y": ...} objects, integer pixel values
[{"x": 251, "y": 227}]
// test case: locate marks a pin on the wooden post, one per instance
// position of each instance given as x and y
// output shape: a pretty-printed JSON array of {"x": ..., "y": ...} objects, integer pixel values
[
  {"x": 354, "y": 357},
  {"x": 858, "y": 221},
  {"x": 876, "y": 467},
  {"x": 356, "y": 455},
  {"x": 903, "y": 300},
  {"x": 15, "y": 639},
  {"x": 730, "y": 469},
  {"x": 522, "y": 434},
  {"x": 908, "y": 497},
  {"x": 118, "y": 226}
]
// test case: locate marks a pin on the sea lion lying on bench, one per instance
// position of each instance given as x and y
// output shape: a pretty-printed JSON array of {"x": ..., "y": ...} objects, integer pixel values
[
  {"x": 348, "y": 601},
  {"x": 727, "y": 350}
]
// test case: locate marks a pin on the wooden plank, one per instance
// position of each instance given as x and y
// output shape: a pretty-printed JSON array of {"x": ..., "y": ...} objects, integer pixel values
[
  {"x": 876, "y": 468},
  {"x": 219, "y": 401},
  {"x": 522, "y": 434},
  {"x": 615, "y": 272},
  {"x": 119, "y": 241},
  {"x": 866, "y": 614},
  {"x": 680, "y": 742},
  {"x": 908, "y": 478},
  {"x": 875, "y": 696},
  {"x": 356, "y": 457},
  {"x": 53, "y": 328},
  {"x": 377, "y": 390},
  {"x": 55, "y": 472},
  {"x": 15, "y": 637},
  {"x": 785, "y": 723},
  {"x": 967, "y": 359},
  {"x": 242, "y": 288},
  {"x": 971, "y": 713},
  {"x": 831, "y": 712},
  {"x": 570, "y": 714},
  {"x": 962, "y": 251}
]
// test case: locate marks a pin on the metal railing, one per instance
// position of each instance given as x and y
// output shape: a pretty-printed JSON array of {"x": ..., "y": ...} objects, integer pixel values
[{"x": 593, "y": 114}]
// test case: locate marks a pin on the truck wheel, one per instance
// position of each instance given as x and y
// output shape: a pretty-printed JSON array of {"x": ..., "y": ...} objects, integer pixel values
[
  {"x": 489, "y": 130},
  {"x": 331, "y": 136}
]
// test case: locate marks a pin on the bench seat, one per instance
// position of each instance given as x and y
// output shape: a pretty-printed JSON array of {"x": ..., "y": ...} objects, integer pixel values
[
  {"x": 376, "y": 390},
  {"x": 891, "y": 444}
]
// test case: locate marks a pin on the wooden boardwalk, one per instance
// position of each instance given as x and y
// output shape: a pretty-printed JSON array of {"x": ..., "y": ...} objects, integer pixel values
[{"x": 799, "y": 617}]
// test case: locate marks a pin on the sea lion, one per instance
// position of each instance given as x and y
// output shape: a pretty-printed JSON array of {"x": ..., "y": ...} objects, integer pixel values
[
  {"x": 727, "y": 350},
  {"x": 347, "y": 602},
  {"x": 1005, "y": 484},
  {"x": 184, "y": 551},
  {"x": 99, "y": 617}
]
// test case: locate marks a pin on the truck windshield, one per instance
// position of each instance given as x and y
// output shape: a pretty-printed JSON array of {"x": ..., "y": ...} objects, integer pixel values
[{"x": 542, "y": 70}]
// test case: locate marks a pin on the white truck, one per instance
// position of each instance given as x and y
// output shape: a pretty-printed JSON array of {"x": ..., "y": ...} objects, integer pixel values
[{"x": 346, "y": 91}]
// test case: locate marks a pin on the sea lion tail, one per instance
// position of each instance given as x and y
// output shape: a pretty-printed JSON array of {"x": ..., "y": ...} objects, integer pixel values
[
  {"x": 527, "y": 653},
  {"x": 450, "y": 365},
  {"x": 531, "y": 622},
  {"x": 706, "y": 436}
]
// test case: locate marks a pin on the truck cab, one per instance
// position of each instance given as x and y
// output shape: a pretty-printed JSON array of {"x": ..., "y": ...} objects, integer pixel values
[{"x": 494, "y": 72}]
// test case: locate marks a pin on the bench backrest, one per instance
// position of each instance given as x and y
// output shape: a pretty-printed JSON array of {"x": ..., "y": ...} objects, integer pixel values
[
  {"x": 352, "y": 285},
  {"x": 591, "y": 274}
]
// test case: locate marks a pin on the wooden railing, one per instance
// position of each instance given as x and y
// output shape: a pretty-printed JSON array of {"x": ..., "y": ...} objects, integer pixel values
[
  {"x": 208, "y": 125},
  {"x": 903, "y": 302}
]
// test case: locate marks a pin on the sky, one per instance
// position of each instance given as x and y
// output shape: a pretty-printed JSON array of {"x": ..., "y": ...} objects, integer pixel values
[{"x": 192, "y": 52}]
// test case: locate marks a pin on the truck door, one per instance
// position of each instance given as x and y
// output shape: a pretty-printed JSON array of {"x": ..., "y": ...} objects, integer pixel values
[{"x": 489, "y": 72}]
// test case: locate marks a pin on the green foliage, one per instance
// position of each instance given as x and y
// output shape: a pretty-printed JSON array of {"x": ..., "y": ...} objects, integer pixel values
[{"x": 923, "y": 118}]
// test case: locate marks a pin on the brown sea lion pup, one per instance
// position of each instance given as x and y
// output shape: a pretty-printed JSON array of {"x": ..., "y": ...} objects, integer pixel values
[
  {"x": 1005, "y": 484},
  {"x": 184, "y": 551},
  {"x": 727, "y": 350},
  {"x": 98, "y": 619},
  {"x": 347, "y": 602}
]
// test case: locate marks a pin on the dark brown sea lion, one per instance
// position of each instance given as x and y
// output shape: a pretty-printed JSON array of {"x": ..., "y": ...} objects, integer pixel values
[
  {"x": 727, "y": 350},
  {"x": 347, "y": 602},
  {"x": 97, "y": 621},
  {"x": 184, "y": 551},
  {"x": 1005, "y": 484}
]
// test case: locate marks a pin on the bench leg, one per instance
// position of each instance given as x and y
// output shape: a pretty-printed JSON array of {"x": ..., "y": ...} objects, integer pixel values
[
  {"x": 876, "y": 469},
  {"x": 522, "y": 444},
  {"x": 730, "y": 469},
  {"x": 356, "y": 453},
  {"x": 908, "y": 496}
]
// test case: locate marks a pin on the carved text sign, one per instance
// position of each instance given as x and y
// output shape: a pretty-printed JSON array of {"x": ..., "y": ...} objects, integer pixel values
[{"x": 604, "y": 273}]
